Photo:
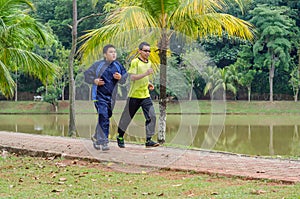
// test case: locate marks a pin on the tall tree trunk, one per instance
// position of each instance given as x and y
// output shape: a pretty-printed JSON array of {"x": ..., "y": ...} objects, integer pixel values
[
  {"x": 163, "y": 44},
  {"x": 271, "y": 76},
  {"x": 72, "y": 126}
]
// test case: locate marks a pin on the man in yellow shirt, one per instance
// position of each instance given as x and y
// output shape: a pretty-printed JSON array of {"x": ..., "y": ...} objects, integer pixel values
[{"x": 139, "y": 96}]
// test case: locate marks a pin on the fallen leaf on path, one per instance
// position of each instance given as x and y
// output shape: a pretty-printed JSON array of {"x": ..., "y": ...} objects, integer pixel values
[
  {"x": 177, "y": 185},
  {"x": 57, "y": 190},
  {"x": 161, "y": 194},
  {"x": 59, "y": 164},
  {"x": 51, "y": 158},
  {"x": 110, "y": 164},
  {"x": 62, "y": 179}
]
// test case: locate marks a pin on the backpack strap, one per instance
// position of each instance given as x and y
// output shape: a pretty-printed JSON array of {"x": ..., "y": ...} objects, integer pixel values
[
  {"x": 117, "y": 64},
  {"x": 101, "y": 68}
]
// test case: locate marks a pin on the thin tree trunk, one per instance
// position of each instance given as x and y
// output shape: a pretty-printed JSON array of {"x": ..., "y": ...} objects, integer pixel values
[
  {"x": 249, "y": 93},
  {"x": 90, "y": 93},
  {"x": 16, "y": 89},
  {"x": 271, "y": 76},
  {"x": 63, "y": 93},
  {"x": 72, "y": 126},
  {"x": 297, "y": 90},
  {"x": 161, "y": 136},
  {"x": 191, "y": 91}
]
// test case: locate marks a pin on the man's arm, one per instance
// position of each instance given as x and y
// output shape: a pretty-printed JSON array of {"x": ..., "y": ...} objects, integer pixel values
[
  {"x": 90, "y": 73},
  {"x": 135, "y": 77}
]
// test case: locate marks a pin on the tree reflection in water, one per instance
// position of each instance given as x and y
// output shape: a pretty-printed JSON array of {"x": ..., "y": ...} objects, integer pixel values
[{"x": 252, "y": 135}]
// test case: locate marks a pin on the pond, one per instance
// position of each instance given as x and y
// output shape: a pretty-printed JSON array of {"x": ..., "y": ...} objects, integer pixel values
[{"x": 263, "y": 135}]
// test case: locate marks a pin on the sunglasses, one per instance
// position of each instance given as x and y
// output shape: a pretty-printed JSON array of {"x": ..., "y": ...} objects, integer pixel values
[{"x": 147, "y": 51}]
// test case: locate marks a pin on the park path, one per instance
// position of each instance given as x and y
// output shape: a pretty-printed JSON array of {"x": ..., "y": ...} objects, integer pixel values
[{"x": 137, "y": 158}]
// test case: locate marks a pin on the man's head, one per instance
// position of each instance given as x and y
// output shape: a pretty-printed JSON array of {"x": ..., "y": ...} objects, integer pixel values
[
  {"x": 144, "y": 50},
  {"x": 109, "y": 53}
]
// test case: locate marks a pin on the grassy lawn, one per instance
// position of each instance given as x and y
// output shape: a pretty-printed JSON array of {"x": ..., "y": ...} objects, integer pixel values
[{"x": 28, "y": 177}]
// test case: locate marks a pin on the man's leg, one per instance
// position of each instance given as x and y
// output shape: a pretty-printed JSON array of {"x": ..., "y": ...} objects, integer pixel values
[
  {"x": 131, "y": 107},
  {"x": 103, "y": 132},
  {"x": 102, "y": 128},
  {"x": 96, "y": 136},
  {"x": 149, "y": 113}
]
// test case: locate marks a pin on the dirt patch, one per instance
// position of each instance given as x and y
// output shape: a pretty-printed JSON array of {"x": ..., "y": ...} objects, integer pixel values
[
  {"x": 63, "y": 104},
  {"x": 27, "y": 107}
]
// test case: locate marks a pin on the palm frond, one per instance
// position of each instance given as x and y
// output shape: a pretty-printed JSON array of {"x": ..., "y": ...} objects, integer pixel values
[
  {"x": 131, "y": 17},
  {"x": 125, "y": 28},
  {"x": 215, "y": 24},
  {"x": 190, "y": 8},
  {"x": 159, "y": 8},
  {"x": 32, "y": 64},
  {"x": 7, "y": 84},
  {"x": 7, "y": 6},
  {"x": 231, "y": 88},
  {"x": 19, "y": 33}
]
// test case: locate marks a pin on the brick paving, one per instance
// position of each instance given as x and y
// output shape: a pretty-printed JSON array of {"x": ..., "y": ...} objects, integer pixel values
[{"x": 136, "y": 158}]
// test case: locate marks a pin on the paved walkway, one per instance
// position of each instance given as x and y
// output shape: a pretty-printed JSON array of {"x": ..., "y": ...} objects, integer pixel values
[{"x": 136, "y": 158}]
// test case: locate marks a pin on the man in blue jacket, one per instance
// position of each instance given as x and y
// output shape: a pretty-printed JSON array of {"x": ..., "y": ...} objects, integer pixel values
[{"x": 104, "y": 75}]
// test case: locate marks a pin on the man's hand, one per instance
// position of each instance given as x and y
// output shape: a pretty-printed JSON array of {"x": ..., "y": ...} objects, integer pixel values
[
  {"x": 117, "y": 76},
  {"x": 149, "y": 71},
  {"x": 99, "y": 82},
  {"x": 151, "y": 86}
]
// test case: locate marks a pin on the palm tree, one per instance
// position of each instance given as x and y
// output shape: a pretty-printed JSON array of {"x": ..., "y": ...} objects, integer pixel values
[
  {"x": 225, "y": 82},
  {"x": 218, "y": 81},
  {"x": 156, "y": 21},
  {"x": 211, "y": 76},
  {"x": 19, "y": 33},
  {"x": 232, "y": 75}
]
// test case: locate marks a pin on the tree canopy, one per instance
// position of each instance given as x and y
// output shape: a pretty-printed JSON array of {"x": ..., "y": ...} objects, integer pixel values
[{"x": 19, "y": 34}]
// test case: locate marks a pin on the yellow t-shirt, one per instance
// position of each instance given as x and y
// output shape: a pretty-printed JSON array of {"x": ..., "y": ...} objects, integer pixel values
[{"x": 139, "y": 88}]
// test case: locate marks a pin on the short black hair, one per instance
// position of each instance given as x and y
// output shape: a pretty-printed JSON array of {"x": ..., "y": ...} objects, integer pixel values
[
  {"x": 105, "y": 48},
  {"x": 143, "y": 44}
]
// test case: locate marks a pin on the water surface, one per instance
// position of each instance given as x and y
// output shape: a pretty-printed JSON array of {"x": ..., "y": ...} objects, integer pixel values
[{"x": 244, "y": 134}]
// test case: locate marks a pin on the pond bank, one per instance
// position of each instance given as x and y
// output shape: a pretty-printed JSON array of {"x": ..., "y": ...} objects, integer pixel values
[{"x": 181, "y": 107}]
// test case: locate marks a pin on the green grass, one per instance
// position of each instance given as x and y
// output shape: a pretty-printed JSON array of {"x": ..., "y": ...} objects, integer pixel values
[
  {"x": 196, "y": 107},
  {"x": 28, "y": 177}
]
